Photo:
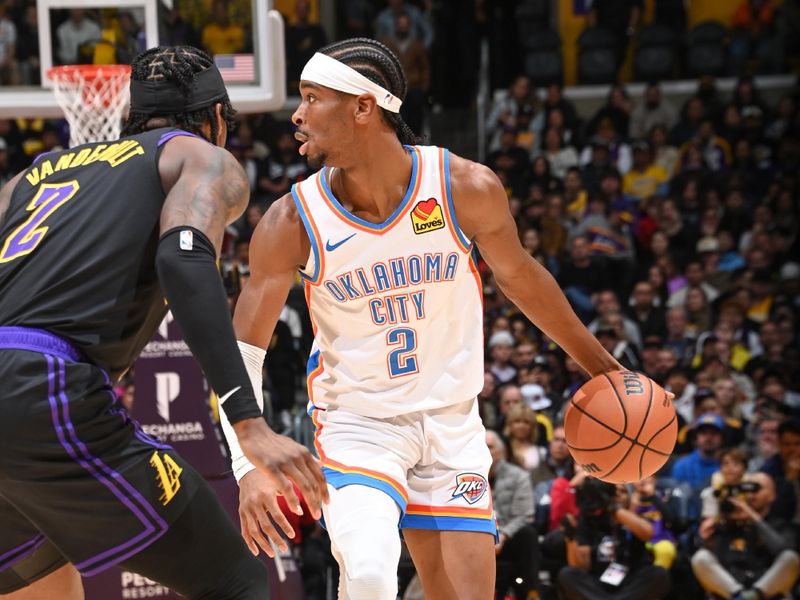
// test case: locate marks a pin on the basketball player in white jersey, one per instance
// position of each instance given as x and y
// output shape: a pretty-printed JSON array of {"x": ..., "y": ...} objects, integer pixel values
[{"x": 383, "y": 236}]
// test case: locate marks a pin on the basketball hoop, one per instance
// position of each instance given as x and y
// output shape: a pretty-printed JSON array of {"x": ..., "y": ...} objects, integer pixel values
[{"x": 93, "y": 98}]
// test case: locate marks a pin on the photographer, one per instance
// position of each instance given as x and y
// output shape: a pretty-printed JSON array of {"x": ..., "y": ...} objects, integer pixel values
[
  {"x": 747, "y": 556},
  {"x": 606, "y": 550},
  {"x": 784, "y": 468},
  {"x": 727, "y": 482}
]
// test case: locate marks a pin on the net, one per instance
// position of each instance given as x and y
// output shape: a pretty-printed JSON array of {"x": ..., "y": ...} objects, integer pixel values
[{"x": 93, "y": 98}]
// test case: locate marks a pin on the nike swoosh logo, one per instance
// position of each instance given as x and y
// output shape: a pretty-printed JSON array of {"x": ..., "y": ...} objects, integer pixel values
[
  {"x": 229, "y": 394},
  {"x": 331, "y": 247}
]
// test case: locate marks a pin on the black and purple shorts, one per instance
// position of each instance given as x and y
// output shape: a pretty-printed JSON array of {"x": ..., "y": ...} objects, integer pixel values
[{"x": 78, "y": 477}]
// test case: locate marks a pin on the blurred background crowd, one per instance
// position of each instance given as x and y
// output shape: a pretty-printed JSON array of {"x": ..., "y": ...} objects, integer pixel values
[{"x": 669, "y": 218}]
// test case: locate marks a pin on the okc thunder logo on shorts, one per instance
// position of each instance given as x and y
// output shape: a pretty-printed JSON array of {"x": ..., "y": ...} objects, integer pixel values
[{"x": 470, "y": 486}]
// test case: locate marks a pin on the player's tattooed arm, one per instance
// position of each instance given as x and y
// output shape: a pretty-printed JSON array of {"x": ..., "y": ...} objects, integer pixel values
[
  {"x": 5, "y": 196},
  {"x": 482, "y": 211},
  {"x": 206, "y": 187}
]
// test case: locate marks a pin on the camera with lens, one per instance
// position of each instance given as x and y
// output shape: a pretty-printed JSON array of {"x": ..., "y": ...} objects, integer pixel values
[{"x": 736, "y": 490}]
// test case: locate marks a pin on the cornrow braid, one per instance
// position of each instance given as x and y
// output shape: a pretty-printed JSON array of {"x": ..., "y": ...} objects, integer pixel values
[
  {"x": 179, "y": 65},
  {"x": 379, "y": 64}
]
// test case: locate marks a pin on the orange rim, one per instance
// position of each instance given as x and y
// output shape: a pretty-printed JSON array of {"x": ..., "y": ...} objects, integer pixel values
[{"x": 70, "y": 73}]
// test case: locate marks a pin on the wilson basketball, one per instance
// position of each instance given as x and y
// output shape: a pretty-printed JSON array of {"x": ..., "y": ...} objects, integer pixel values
[{"x": 621, "y": 427}]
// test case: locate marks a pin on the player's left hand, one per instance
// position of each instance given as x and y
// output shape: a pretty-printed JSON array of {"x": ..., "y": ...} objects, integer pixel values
[{"x": 258, "y": 501}]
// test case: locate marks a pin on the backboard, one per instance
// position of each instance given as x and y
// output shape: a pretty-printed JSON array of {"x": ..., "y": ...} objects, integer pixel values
[{"x": 245, "y": 38}]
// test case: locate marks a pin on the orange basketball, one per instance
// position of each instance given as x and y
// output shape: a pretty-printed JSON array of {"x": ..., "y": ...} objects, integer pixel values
[{"x": 621, "y": 426}]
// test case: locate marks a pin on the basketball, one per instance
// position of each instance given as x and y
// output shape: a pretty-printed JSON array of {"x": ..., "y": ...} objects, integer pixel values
[{"x": 620, "y": 427}]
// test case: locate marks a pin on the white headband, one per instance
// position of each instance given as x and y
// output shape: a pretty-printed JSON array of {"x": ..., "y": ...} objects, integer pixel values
[{"x": 327, "y": 71}]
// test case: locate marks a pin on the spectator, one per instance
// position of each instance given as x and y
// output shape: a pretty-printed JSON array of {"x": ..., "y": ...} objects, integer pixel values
[
  {"x": 607, "y": 149},
  {"x": 414, "y": 57},
  {"x": 615, "y": 114},
  {"x": 678, "y": 381},
  {"x": 282, "y": 168},
  {"x": 652, "y": 111},
  {"x": 606, "y": 303},
  {"x": 748, "y": 555},
  {"x": 698, "y": 309},
  {"x": 725, "y": 484},
  {"x": 665, "y": 155},
  {"x": 784, "y": 468},
  {"x": 513, "y": 112},
  {"x": 697, "y": 468},
  {"x": 501, "y": 346},
  {"x": 303, "y": 39},
  {"x": 610, "y": 334},
  {"x": 582, "y": 276},
  {"x": 521, "y": 431},
  {"x": 541, "y": 176},
  {"x": 9, "y": 69},
  {"x": 646, "y": 502},
  {"x": 72, "y": 33},
  {"x": 555, "y": 119},
  {"x": 560, "y": 157},
  {"x": 512, "y": 498},
  {"x": 606, "y": 552},
  {"x": 575, "y": 194},
  {"x": 766, "y": 443},
  {"x": 28, "y": 47},
  {"x": 682, "y": 236},
  {"x": 221, "y": 36},
  {"x": 510, "y": 161},
  {"x": 421, "y": 29},
  {"x": 713, "y": 151},
  {"x": 643, "y": 311},
  {"x": 685, "y": 129},
  {"x": 508, "y": 396},
  {"x": 7, "y": 171},
  {"x": 645, "y": 179},
  {"x": 558, "y": 462},
  {"x": 554, "y": 101}
]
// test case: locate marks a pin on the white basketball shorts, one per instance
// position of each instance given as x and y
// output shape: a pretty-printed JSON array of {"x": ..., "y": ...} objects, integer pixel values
[{"x": 434, "y": 464}]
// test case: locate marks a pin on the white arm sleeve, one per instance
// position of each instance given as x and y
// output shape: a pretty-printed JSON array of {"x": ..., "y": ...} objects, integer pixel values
[{"x": 253, "y": 358}]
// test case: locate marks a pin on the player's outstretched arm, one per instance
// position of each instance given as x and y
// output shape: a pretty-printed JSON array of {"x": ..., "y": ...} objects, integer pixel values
[
  {"x": 206, "y": 190},
  {"x": 279, "y": 247},
  {"x": 482, "y": 211}
]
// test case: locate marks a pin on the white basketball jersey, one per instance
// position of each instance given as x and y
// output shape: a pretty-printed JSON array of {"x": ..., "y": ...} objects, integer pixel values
[{"x": 397, "y": 306}]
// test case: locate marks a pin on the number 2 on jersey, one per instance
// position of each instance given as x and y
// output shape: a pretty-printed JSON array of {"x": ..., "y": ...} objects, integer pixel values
[
  {"x": 402, "y": 361},
  {"x": 25, "y": 238}
]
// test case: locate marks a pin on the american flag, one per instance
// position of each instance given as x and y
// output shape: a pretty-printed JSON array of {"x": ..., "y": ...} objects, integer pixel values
[{"x": 235, "y": 67}]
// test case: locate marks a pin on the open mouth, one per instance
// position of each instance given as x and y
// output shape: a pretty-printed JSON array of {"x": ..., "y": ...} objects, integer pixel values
[{"x": 303, "y": 139}]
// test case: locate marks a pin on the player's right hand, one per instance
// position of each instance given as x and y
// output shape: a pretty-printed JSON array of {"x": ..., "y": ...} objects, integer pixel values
[
  {"x": 282, "y": 460},
  {"x": 258, "y": 501}
]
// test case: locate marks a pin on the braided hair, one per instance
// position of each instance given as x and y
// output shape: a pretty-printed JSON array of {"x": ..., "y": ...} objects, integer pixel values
[
  {"x": 177, "y": 64},
  {"x": 380, "y": 65}
]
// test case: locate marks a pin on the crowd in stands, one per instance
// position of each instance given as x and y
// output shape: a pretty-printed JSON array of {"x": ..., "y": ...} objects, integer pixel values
[{"x": 673, "y": 231}]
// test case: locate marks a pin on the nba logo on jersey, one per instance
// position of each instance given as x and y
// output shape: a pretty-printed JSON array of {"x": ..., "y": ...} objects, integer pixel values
[{"x": 469, "y": 486}]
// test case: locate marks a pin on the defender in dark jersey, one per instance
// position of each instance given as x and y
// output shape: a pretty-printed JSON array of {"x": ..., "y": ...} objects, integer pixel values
[{"x": 92, "y": 240}]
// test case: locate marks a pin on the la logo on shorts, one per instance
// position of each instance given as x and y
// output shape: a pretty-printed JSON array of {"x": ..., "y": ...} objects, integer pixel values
[
  {"x": 427, "y": 216},
  {"x": 469, "y": 486}
]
